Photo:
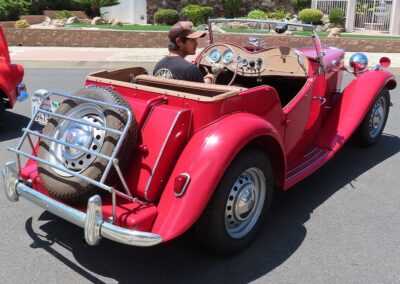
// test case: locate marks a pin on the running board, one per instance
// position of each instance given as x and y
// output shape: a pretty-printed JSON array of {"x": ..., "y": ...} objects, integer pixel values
[{"x": 311, "y": 161}]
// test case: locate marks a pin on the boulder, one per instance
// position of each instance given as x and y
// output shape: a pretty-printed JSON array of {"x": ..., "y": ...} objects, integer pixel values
[
  {"x": 97, "y": 21},
  {"x": 335, "y": 32},
  {"x": 72, "y": 20},
  {"x": 58, "y": 22},
  {"x": 116, "y": 23}
]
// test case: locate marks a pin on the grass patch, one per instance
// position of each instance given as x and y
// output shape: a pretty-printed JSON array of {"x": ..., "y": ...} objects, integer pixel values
[
  {"x": 246, "y": 31},
  {"x": 124, "y": 27}
]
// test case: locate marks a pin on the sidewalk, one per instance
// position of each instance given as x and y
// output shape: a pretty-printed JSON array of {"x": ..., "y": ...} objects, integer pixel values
[{"x": 114, "y": 58}]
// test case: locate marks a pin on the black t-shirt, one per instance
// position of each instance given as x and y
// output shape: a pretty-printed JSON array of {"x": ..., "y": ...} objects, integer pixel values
[{"x": 175, "y": 67}]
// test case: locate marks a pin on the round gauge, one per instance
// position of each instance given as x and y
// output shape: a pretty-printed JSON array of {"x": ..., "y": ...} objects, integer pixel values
[
  {"x": 245, "y": 62},
  {"x": 228, "y": 56},
  {"x": 215, "y": 55},
  {"x": 239, "y": 58}
]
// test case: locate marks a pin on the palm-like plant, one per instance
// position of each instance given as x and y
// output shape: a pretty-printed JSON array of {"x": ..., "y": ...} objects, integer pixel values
[{"x": 95, "y": 5}]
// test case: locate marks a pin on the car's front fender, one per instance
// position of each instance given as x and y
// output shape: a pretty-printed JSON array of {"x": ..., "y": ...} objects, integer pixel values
[
  {"x": 205, "y": 159},
  {"x": 352, "y": 107}
]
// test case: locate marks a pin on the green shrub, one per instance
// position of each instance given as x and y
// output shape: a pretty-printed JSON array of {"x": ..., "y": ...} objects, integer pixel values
[
  {"x": 299, "y": 5},
  {"x": 280, "y": 15},
  {"x": 197, "y": 14},
  {"x": 21, "y": 24},
  {"x": 64, "y": 14},
  {"x": 166, "y": 17},
  {"x": 232, "y": 8},
  {"x": 336, "y": 16},
  {"x": 257, "y": 14},
  {"x": 10, "y": 10},
  {"x": 310, "y": 16},
  {"x": 37, "y": 6}
]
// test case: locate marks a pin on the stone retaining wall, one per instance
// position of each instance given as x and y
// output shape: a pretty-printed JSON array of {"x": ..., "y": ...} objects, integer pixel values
[{"x": 107, "y": 38}]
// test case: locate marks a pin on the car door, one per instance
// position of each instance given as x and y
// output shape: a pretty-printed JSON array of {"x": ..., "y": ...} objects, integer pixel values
[{"x": 303, "y": 118}]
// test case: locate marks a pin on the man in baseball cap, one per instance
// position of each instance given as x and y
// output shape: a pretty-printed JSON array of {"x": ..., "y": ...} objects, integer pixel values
[{"x": 182, "y": 42}]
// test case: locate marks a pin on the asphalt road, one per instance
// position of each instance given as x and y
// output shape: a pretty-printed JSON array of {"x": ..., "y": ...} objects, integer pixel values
[{"x": 340, "y": 225}]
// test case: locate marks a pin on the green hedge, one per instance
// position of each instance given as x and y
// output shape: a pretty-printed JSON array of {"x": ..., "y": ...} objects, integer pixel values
[
  {"x": 311, "y": 16},
  {"x": 257, "y": 14},
  {"x": 336, "y": 16},
  {"x": 166, "y": 17},
  {"x": 197, "y": 14}
]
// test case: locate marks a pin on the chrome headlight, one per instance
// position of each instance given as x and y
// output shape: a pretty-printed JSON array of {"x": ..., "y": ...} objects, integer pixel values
[{"x": 359, "y": 62}]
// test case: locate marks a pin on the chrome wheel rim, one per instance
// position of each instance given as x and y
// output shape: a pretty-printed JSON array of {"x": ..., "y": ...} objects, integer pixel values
[
  {"x": 87, "y": 137},
  {"x": 377, "y": 118},
  {"x": 245, "y": 202}
]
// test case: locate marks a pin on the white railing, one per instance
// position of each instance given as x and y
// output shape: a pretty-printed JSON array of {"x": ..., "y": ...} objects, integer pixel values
[
  {"x": 373, "y": 15},
  {"x": 326, "y": 5}
]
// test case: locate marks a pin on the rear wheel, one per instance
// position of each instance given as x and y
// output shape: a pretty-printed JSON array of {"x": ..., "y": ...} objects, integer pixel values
[
  {"x": 371, "y": 128},
  {"x": 239, "y": 204},
  {"x": 62, "y": 184}
]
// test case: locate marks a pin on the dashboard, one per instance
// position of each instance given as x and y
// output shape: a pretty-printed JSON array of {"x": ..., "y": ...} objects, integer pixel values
[{"x": 272, "y": 61}]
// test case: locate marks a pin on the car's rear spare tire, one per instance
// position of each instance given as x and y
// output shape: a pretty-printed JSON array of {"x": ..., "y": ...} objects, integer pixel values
[{"x": 64, "y": 185}]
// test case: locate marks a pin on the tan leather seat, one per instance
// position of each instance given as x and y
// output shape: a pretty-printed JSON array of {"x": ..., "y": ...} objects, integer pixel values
[{"x": 186, "y": 86}]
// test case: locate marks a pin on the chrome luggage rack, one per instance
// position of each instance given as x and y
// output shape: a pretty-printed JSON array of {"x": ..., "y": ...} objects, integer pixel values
[{"x": 111, "y": 160}]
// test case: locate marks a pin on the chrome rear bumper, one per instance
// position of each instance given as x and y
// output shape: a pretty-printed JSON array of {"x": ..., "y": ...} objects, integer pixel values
[{"x": 92, "y": 221}]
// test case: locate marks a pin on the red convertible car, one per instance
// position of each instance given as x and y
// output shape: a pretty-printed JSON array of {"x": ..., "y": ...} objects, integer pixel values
[
  {"x": 11, "y": 87},
  {"x": 139, "y": 159}
]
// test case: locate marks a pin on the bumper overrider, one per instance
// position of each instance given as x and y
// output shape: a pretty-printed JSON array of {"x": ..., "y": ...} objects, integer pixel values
[{"x": 92, "y": 221}]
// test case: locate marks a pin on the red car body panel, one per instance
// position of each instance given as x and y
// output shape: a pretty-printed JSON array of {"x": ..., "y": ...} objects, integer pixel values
[
  {"x": 177, "y": 214},
  {"x": 200, "y": 137},
  {"x": 345, "y": 118},
  {"x": 10, "y": 74}
]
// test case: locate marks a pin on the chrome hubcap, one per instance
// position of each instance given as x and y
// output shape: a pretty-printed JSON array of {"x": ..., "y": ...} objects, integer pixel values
[
  {"x": 84, "y": 136},
  {"x": 245, "y": 202},
  {"x": 377, "y": 117}
]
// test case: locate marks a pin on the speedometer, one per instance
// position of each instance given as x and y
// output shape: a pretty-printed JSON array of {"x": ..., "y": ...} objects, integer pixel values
[
  {"x": 228, "y": 56},
  {"x": 215, "y": 55}
]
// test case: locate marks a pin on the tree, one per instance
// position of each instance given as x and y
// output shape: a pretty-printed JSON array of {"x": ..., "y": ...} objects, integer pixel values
[{"x": 95, "y": 5}]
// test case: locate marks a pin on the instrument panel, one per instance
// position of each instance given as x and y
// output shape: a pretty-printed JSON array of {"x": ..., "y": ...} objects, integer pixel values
[{"x": 273, "y": 61}]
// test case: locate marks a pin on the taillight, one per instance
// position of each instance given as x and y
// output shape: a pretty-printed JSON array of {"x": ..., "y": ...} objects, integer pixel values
[{"x": 181, "y": 183}]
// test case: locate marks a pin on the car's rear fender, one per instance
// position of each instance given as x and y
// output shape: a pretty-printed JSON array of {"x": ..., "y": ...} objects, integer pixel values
[
  {"x": 352, "y": 107},
  {"x": 205, "y": 159}
]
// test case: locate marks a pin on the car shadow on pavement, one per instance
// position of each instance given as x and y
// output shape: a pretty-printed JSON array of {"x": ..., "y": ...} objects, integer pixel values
[
  {"x": 12, "y": 125},
  {"x": 181, "y": 260}
]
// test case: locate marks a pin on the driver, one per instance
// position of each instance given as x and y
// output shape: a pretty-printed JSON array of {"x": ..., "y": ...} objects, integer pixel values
[{"x": 182, "y": 42}]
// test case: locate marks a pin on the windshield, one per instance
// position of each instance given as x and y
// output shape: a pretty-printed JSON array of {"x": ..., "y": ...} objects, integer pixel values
[{"x": 259, "y": 33}]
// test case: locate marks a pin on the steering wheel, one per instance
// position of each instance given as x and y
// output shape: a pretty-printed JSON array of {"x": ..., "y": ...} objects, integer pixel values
[{"x": 216, "y": 68}]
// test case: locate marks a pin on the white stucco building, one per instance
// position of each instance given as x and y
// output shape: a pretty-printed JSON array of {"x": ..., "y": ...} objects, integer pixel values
[{"x": 128, "y": 11}]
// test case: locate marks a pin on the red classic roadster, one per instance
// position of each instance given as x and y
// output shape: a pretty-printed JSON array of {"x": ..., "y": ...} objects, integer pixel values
[
  {"x": 11, "y": 87},
  {"x": 140, "y": 159}
]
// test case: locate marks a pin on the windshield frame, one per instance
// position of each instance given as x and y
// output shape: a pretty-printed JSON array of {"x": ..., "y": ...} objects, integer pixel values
[{"x": 312, "y": 28}]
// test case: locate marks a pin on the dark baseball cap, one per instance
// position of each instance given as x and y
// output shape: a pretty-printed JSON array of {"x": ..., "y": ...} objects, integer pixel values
[{"x": 184, "y": 29}]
